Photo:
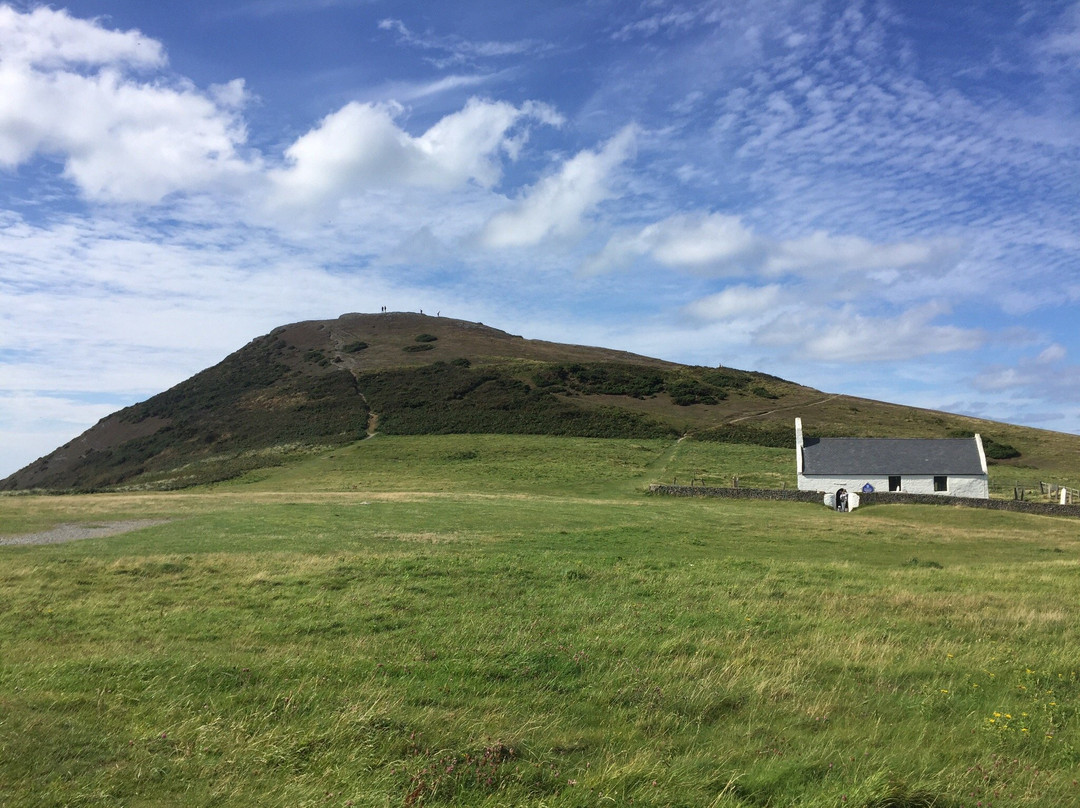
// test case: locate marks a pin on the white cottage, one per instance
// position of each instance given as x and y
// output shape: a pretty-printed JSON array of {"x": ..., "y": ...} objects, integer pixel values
[{"x": 952, "y": 467}]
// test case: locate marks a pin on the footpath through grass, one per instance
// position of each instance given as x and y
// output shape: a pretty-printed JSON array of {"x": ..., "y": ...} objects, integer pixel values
[{"x": 533, "y": 630}]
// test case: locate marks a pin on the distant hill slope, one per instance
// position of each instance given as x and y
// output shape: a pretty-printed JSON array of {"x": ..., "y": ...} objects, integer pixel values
[{"x": 326, "y": 383}]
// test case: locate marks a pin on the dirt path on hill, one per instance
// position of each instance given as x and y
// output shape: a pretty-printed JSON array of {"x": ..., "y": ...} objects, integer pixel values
[
  {"x": 74, "y": 532},
  {"x": 372, "y": 418},
  {"x": 655, "y": 468},
  {"x": 779, "y": 409}
]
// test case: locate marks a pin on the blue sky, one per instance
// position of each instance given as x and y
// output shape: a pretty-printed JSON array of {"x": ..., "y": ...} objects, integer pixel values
[{"x": 873, "y": 198}]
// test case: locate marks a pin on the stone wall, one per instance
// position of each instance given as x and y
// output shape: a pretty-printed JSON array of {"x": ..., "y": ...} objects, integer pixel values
[
  {"x": 875, "y": 498},
  {"x": 1014, "y": 505},
  {"x": 775, "y": 494}
]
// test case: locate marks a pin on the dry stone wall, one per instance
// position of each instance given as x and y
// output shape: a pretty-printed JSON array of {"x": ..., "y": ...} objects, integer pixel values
[
  {"x": 1016, "y": 506},
  {"x": 775, "y": 494},
  {"x": 875, "y": 498}
]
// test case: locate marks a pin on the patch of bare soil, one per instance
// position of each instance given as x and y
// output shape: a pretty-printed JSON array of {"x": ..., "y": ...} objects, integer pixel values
[{"x": 74, "y": 532}]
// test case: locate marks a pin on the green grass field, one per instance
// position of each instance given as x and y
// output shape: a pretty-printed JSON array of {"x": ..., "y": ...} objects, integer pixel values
[{"x": 500, "y": 621}]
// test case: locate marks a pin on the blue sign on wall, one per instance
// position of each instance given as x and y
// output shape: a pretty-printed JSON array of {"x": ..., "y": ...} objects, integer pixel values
[{"x": 868, "y": 489}]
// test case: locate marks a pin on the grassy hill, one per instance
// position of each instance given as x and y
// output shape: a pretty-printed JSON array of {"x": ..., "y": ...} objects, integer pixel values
[
  {"x": 313, "y": 385},
  {"x": 485, "y": 620}
]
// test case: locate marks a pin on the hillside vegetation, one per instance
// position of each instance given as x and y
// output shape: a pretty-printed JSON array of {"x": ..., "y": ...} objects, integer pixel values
[
  {"x": 319, "y": 384},
  {"x": 487, "y": 620}
]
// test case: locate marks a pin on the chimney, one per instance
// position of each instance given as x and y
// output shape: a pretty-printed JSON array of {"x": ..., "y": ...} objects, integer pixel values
[{"x": 798, "y": 446}]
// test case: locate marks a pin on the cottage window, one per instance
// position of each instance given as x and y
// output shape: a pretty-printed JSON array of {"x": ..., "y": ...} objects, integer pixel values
[
  {"x": 894, "y": 483},
  {"x": 941, "y": 484}
]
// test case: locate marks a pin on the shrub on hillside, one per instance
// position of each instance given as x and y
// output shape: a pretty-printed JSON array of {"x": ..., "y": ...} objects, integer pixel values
[
  {"x": 995, "y": 450},
  {"x": 727, "y": 379},
  {"x": 220, "y": 411},
  {"x": 686, "y": 387},
  {"x": 774, "y": 435},
  {"x": 685, "y": 391},
  {"x": 444, "y": 398},
  {"x": 601, "y": 378},
  {"x": 253, "y": 367},
  {"x": 999, "y": 451}
]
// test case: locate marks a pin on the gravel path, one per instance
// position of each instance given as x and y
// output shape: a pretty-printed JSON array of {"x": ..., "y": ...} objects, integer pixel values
[{"x": 74, "y": 532}]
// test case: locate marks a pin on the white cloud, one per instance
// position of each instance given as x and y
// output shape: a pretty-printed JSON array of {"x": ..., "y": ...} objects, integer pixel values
[
  {"x": 361, "y": 146},
  {"x": 997, "y": 379},
  {"x": 716, "y": 244},
  {"x": 458, "y": 50},
  {"x": 48, "y": 39},
  {"x": 699, "y": 242},
  {"x": 1047, "y": 373},
  {"x": 820, "y": 252},
  {"x": 848, "y": 336},
  {"x": 120, "y": 138},
  {"x": 738, "y": 302},
  {"x": 412, "y": 91},
  {"x": 669, "y": 20},
  {"x": 556, "y": 204},
  {"x": 1052, "y": 354},
  {"x": 271, "y": 8},
  {"x": 1063, "y": 42},
  {"x": 735, "y": 317}
]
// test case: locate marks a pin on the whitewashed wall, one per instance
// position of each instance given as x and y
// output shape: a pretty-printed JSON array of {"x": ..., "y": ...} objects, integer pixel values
[{"x": 973, "y": 486}]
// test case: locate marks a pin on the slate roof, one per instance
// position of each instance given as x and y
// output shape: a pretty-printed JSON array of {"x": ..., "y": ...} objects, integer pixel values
[{"x": 891, "y": 456}]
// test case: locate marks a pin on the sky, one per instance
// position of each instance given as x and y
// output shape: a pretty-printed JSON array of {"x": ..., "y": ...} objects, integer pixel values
[{"x": 872, "y": 198}]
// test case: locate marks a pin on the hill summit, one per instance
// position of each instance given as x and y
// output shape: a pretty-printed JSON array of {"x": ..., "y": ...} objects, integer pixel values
[{"x": 332, "y": 382}]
